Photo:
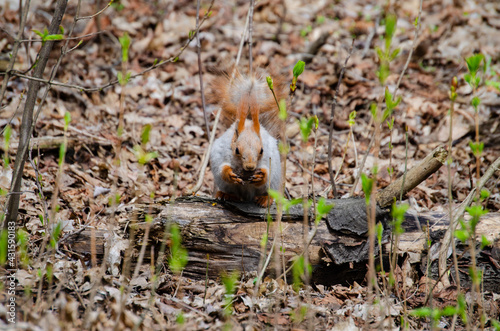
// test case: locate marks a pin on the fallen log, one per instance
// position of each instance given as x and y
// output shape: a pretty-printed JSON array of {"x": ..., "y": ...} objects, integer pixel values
[{"x": 229, "y": 234}]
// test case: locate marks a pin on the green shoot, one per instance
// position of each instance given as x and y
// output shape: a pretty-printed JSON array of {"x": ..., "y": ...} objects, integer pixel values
[
  {"x": 178, "y": 254},
  {"x": 306, "y": 126},
  {"x": 298, "y": 69}
]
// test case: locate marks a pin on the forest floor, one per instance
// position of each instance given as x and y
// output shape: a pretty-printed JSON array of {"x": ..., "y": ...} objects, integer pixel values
[{"x": 60, "y": 290}]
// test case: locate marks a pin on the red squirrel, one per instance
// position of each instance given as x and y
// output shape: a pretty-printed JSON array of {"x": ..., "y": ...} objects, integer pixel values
[{"x": 245, "y": 159}]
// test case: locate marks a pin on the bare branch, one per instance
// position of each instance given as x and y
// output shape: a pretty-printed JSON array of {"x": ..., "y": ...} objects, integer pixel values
[{"x": 14, "y": 50}]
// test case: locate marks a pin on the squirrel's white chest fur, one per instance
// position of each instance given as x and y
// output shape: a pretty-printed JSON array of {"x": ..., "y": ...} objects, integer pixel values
[{"x": 222, "y": 155}]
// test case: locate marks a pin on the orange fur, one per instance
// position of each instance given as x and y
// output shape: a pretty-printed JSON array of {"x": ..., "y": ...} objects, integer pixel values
[
  {"x": 238, "y": 99},
  {"x": 259, "y": 178},
  {"x": 264, "y": 201},
  {"x": 229, "y": 176}
]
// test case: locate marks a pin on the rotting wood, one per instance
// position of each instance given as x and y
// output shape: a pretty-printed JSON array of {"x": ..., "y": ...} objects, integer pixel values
[
  {"x": 232, "y": 241},
  {"x": 230, "y": 233}
]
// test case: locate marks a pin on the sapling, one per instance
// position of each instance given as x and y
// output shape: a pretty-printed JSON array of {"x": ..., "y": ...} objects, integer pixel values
[
  {"x": 6, "y": 142},
  {"x": 229, "y": 281},
  {"x": 467, "y": 232},
  {"x": 178, "y": 254},
  {"x": 390, "y": 105},
  {"x": 123, "y": 78},
  {"x": 474, "y": 79}
]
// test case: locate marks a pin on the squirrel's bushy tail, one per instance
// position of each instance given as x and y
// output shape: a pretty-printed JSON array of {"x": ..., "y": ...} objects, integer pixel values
[{"x": 248, "y": 97}]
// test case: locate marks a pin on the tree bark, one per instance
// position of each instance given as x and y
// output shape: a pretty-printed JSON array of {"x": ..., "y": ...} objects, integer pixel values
[{"x": 231, "y": 233}]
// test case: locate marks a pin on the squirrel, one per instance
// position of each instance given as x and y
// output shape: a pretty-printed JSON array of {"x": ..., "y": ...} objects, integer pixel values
[{"x": 245, "y": 159}]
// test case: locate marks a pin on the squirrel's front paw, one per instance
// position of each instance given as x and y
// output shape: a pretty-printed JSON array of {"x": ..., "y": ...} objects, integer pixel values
[
  {"x": 229, "y": 176},
  {"x": 259, "y": 178}
]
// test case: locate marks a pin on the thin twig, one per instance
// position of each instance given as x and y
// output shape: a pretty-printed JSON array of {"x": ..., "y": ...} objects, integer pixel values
[
  {"x": 250, "y": 30},
  {"x": 27, "y": 120},
  {"x": 200, "y": 70},
  {"x": 172, "y": 59},
  {"x": 414, "y": 45},
  {"x": 15, "y": 49},
  {"x": 96, "y": 14},
  {"x": 63, "y": 39},
  {"x": 334, "y": 104},
  {"x": 206, "y": 156}
]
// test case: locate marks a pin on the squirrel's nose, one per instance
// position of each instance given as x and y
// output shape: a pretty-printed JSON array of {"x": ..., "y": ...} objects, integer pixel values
[{"x": 250, "y": 167}]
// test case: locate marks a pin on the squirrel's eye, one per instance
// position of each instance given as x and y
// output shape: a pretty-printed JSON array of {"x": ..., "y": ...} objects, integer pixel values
[
  {"x": 261, "y": 150},
  {"x": 237, "y": 151}
]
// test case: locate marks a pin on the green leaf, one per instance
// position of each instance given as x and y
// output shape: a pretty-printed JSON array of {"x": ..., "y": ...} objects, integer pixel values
[
  {"x": 283, "y": 113},
  {"x": 297, "y": 271},
  {"x": 263, "y": 241},
  {"x": 125, "y": 43},
  {"x": 484, "y": 242},
  {"x": 485, "y": 194},
  {"x": 55, "y": 235},
  {"x": 449, "y": 311},
  {"x": 421, "y": 312},
  {"x": 229, "y": 282},
  {"x": 320, "y": 19},
  {"x": 477, "y": 81},
  {"x": 61, "y": 29},
  {"x": 298, "y": 69},
  {"x": 467, "y": 78},
  {"x": 398, "y": 211},
  {"x": 367, "y": 184},
  {"x": 283, "y": 148},
  {"x": 475, "y": 103},
  {"x": 322, "y": 209},
  {"x": 180, "y": 319},
  {"x": 38, "y": 33},
  {"x": 380, "y": 231},
  {"x": 6, "y": 135},
  {"x": 383, "y": 72},
  {"x": 352, "y": 117},
  {"x": 54, "y": 37},
  {"x": 178, "y": 254},
  {"x": 461, "y": 235},
  {"x": 394, "y": 54},
  {"x": 380, "y": 54},
  {"x": 67, "y": 120},
  {"x": 390, "y": 26},
  {"x": 477, "y": 149},
  {"x": 373, "y": 110},
  {"x": 306, "y": 125},
  {"x": 62, "y": 153},
  {"x": 145, "y": 133},
  {"x": 474, "y": 63},
  {"x": 269, "y": 80}
]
